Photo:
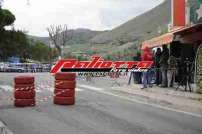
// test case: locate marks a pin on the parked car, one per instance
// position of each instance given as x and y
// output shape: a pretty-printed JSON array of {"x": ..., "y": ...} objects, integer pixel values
[
  {"x": 46, "y": 67},
  {"x": 14, "y": 68},
  {"x": 2, "y": 67}
]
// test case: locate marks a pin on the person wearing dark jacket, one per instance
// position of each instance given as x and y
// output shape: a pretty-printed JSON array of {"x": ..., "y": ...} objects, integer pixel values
[
  {"x": 157, "y": 66},
  {"x": 146, "y": 77},
  {"x": 164, "y": 66},
  {"x": 137, "y": 75}
]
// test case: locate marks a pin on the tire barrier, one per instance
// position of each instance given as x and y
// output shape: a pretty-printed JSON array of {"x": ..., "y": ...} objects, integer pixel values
[
  {"x": 64, "y": 100},
  {"x": 24, "y": 87},
  {"x": 24, "y": 80},
  {"x": 24, "y": 91},
  {"x": 65, "y": 84},
  {"x": 64, "y": 92},
  {"x": 24, "y": 102},
  {"x": 24, "y": 94},
  {"x": 65, "y": 76}
]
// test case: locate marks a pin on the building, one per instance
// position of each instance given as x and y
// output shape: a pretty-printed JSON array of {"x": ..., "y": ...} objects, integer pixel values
[{"x": 184, "y": 36}]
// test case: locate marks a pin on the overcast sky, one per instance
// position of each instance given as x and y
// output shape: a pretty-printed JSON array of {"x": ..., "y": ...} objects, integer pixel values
[{"x": 35, "y": 16}]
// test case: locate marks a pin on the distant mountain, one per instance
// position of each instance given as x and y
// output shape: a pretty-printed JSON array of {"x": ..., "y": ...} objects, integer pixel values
[
  {"x": 78, "y": 36},
  {"x": 82, "y": 36},
  {"x": 141, "y": 27},
  {"x": 124, "y": 39},
  {"x": 40, "y": 39}
]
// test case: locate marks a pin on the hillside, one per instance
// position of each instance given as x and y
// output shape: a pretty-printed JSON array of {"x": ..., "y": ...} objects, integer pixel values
[
  {"x": 82, "y": 36},
  {"x": 41, "y": 39},
  {"x": 123, "y": 40},
  {"x": 78, "y": 36},
  {"x": 144, "y": 26}
]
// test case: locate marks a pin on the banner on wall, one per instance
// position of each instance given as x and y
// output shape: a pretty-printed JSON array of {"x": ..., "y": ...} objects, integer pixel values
[
  {"x": 195, "y": 7},
  {"x": 179, "y": 13},
  {"x": 185, "y": 12}
]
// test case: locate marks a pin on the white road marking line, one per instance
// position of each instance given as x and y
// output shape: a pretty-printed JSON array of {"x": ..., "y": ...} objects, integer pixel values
[
  {"x": 6, "y": 87},
  {"x": 4, "y": 129},
  {"x": 91, "y": 87},
  {"x": 51, "y": 89},
  {"x": 141, "y": 102},
  {"x": 79, "y": 89},
  {"x": 38, "y": 91}
]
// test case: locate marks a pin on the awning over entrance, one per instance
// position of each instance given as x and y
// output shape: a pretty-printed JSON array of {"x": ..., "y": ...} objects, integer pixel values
[
  {"x": 158, "y": 41},
  {"x": 191, "y": 34},
  {"x": 187, "y": 35}
]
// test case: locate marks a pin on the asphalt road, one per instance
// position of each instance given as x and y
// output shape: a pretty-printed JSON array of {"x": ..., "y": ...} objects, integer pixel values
[{"x": 95, "y": 112}]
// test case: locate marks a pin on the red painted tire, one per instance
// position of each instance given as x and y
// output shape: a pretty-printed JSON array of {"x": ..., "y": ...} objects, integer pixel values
[
  {"x": 64, "y": 92},
  {"x": 65, "y": 76},
  {"x": 25, "y": 94},
  {"x": 65, "y": 84},
  {"x": 24, "y": 87},
  {"x": 24, "y": 102},
  {"x": 24, "y": 80},
  {"x": 64, "y": 100}
]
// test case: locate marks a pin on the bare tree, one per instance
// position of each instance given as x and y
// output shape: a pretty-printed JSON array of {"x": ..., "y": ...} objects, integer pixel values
[{"x": 59, "y": 35}]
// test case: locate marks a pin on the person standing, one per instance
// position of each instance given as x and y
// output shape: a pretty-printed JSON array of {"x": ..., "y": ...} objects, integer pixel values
[
  {"x": 146, "y": 77},
  {"x": 136, "y": 75},
  {"x": 172, "y": 70},
  {"x": 157, "y": 66},
  {"x": 164, "y": 66}
]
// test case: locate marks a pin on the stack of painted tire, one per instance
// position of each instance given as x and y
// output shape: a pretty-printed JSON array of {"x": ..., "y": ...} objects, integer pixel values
[
  {"x": 65, "y": 84},
  {"x": 24, "y": 91}
]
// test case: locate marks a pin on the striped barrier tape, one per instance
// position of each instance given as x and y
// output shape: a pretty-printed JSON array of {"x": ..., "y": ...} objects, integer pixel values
[{"x": 41, "y": 86}]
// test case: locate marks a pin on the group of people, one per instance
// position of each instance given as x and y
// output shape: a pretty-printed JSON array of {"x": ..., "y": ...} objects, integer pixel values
[{"x": 163, "y": 69}]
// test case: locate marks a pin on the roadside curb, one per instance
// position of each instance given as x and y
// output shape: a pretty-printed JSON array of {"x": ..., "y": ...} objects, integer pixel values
[
  {"x": 170, "y": 92},
  {"x": 175, "y": 101},
  {"x": 153, "y": 104},
  {"x": 4, "y": 129}
]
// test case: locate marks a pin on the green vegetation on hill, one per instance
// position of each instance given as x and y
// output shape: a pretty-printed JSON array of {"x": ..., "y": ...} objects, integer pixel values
[
  {"x": 124, "y": 41},
  {"x": 82, "y": 36},
  {"x": 78, "y": 36},
  {"x": 41, "y": 52},
  {"x": 141, "y": 27}
]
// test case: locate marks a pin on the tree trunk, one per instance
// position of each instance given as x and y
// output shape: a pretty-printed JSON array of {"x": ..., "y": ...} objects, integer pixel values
[{"x": 59, "y": 51}]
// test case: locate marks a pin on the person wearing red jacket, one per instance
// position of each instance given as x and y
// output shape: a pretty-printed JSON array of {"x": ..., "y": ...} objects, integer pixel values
[{"x": 146, "y": 77}]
